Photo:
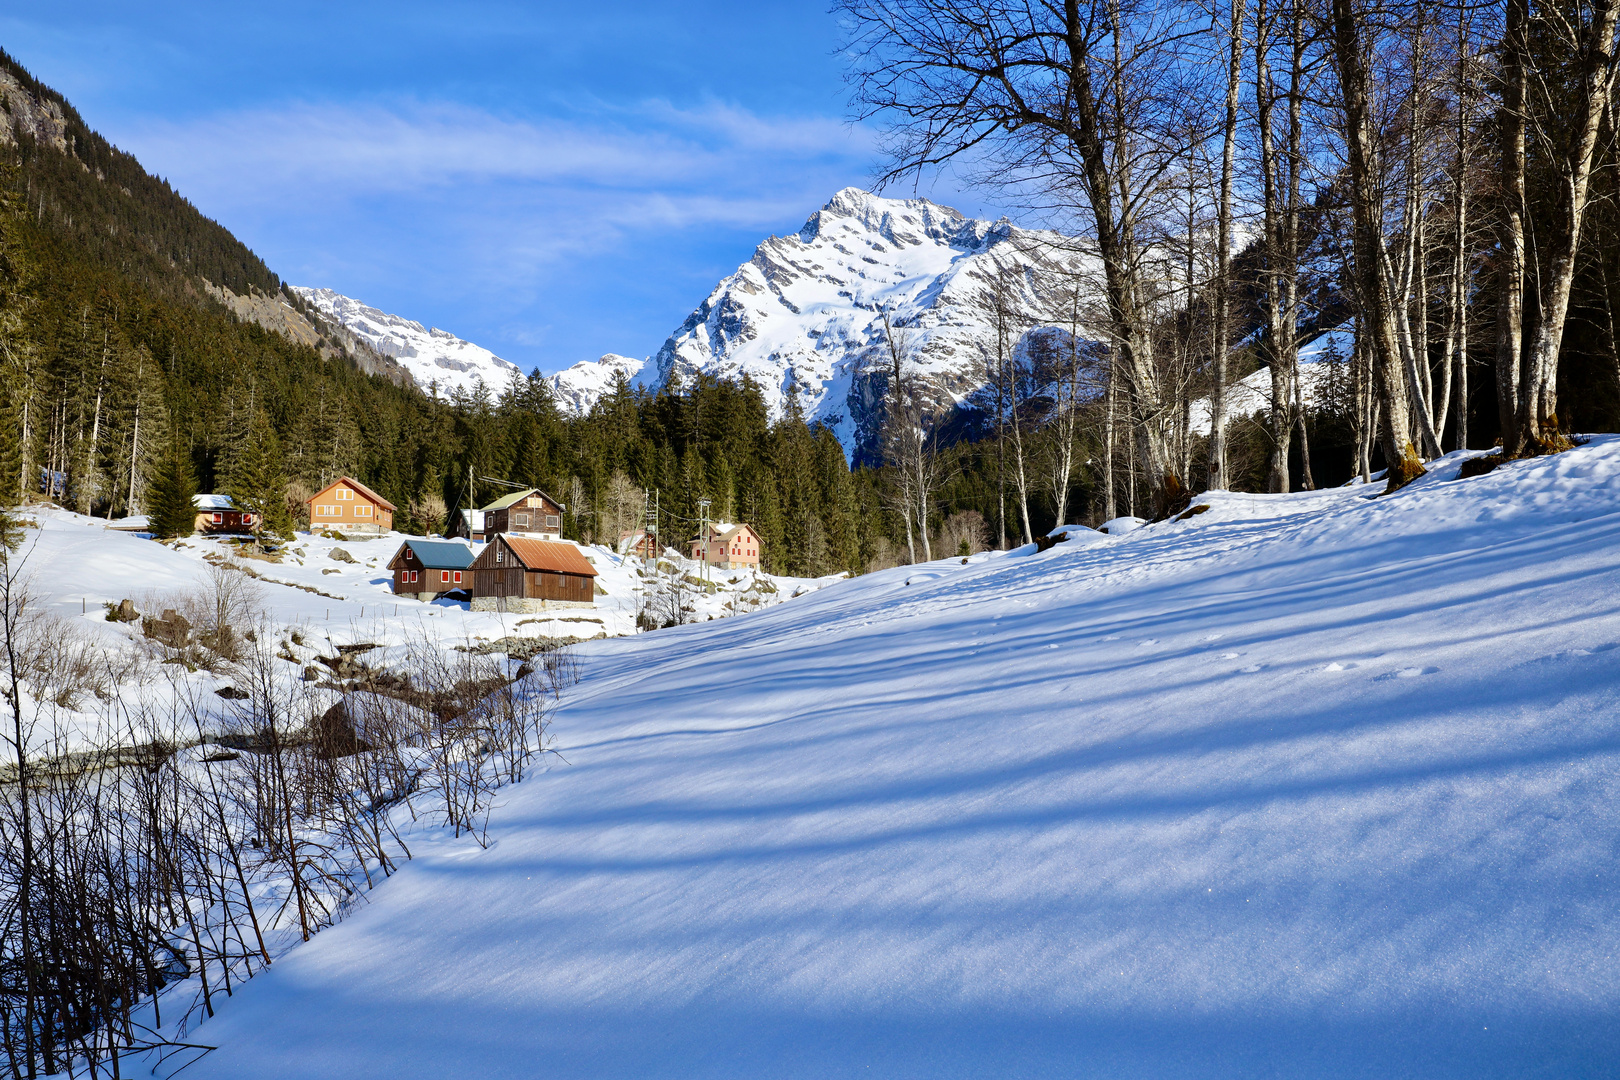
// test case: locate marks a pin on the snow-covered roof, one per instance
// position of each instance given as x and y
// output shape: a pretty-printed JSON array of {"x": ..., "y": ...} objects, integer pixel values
[{"x": 212, "y": 502}]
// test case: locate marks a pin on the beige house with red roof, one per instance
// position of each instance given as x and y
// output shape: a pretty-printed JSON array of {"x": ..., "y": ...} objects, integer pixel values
[
  {"x": 347, "y": 505},
  {"x": 727, "y": 545}
]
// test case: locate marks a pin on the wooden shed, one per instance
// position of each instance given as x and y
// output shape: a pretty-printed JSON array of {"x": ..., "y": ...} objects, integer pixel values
[
  {"x": 429, "y": 568},
  {"x": 218, "y": 514},
  {"x": 516, "y": 573}
]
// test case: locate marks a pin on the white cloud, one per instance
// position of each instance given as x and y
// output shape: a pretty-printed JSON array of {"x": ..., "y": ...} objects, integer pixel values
[{"x": 360, "y": 151}]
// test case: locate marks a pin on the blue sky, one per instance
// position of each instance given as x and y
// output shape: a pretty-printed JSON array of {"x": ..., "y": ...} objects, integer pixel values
[{"x": 551, "y": 181}]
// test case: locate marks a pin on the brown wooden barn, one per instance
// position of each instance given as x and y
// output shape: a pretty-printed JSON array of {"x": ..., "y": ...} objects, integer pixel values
[
  {"x": 516, "y": 573},
  {"x": 427, "y": 569}
]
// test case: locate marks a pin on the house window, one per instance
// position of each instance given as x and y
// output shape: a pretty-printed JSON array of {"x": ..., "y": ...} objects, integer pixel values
[
  {"x": 218, "y": 518},
  {"x": 500, "y": 556},
  {"x": 407, "y": 554},
  {"x": 444, "y": 575},
  {"x": 362, "y": 511},
  {"x": 344, "y": 495},
  {"x": 553, "y": 521},
  {"x": 458, "y": 577},
  {"x": 522, "y": 519}
]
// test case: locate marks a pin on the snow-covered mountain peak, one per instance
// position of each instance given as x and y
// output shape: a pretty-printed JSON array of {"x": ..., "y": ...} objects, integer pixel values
[
  {"x": 804, "y": 314},
  {"x": 579, "y": 387},
  {"x": 432, "y": 356},
  {"x": 905, "y": 222}
]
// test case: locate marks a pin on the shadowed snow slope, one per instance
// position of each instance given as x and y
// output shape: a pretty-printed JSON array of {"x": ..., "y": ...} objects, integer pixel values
[{"x": 1311, "y": 785}]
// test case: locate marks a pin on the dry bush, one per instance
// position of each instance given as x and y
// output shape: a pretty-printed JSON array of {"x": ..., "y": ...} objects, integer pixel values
[{"x": 964, "y": 533}]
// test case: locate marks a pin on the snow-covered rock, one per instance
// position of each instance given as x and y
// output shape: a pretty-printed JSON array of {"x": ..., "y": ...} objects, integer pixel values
[
  {"x": 804, "y": 316},
  {"x": 435, "y": 358}
]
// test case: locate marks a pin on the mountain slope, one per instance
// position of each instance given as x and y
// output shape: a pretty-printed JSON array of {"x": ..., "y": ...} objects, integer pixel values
[
  {"x": 433, "y": 357},
  {"x": 804, "y": 316},
  {"x": 1308, "y": 785}
]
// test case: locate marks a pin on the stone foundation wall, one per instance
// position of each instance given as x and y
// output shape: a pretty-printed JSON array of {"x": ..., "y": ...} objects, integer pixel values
[{"x": 521, "y": 605}]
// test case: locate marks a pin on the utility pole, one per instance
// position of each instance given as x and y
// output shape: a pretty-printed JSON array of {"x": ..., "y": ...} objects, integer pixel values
[{"x": 703, "y": 535}]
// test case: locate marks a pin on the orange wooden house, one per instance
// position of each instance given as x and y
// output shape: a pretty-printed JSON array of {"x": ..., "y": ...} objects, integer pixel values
[{"x": 347, "y": 505}]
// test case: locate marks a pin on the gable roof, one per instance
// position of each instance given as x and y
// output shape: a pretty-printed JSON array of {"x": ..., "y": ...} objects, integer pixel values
[
  {"x": 438, "y": 554},
  {"x": 518, "y": 496},
  {"x": 212, "y": 502},
  {"x": 358, "y": 486},
  {"x": 547, "y": 555},
  {"x": 722, "y": 531}
]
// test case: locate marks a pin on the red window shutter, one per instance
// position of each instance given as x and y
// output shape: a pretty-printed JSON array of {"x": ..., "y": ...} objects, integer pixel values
[
  {"x": 458, "y": 577},
  {"x": 444, "y": 575}
]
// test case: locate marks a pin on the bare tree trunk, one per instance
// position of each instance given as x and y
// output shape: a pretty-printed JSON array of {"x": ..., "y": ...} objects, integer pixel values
[
  {"x": 1223, "y": 255},
  {"x": 1538, "y": 403},
  {"x": 1111, "y": 502},
  {"x": 1280, "y": 424},
  {"x": 1510, "y": 290},
  {"x": 1373, "y": 299}
]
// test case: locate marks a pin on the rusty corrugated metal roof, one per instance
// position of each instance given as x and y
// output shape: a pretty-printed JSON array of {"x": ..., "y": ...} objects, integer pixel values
[{"x": 548, "y": 555}]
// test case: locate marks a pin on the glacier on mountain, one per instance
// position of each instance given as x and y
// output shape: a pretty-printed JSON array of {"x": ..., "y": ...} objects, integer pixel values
[
  {"x": 436, "y": 359},
  {"x": 803, "y": 318}
]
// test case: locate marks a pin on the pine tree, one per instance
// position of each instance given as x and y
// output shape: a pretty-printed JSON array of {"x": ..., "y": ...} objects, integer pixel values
[
  {"x": 171, "y": 511},
  {"x": 258, "y": 480}
]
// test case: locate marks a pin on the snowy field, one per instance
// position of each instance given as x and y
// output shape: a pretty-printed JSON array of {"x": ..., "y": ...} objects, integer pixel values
[
  {"x": 1316, "y": 785},
  {"x": 334, "y": 592}
]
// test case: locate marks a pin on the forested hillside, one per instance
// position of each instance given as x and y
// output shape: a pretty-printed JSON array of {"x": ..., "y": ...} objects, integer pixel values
[{"x": 116, "y": 351}]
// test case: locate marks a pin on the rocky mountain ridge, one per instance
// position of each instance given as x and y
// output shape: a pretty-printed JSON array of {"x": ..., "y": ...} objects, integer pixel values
[
  {"x": 803, "y": 318},
  {"x": 437, "y": 360}
]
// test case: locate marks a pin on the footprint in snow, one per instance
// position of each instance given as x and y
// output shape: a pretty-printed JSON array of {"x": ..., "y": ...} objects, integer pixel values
[
  {"x": 1145, "y": 644},
  {"x": 1408, "y": 673},
  {"x": 1251, "y": 669},
  {"x": 1214, "y": 637},
  {"x": 1230, "y": 655},
  {"x": 1336, "y": 666}
]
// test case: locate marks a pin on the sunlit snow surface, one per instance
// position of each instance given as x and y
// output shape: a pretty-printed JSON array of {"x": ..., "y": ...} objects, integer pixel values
[{"x": 1312, "y": 785}]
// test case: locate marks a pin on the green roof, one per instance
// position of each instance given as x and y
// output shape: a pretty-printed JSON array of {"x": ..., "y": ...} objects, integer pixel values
[
  {"x": 507, "y": 500},
  {"x": 516, "y": 497}
]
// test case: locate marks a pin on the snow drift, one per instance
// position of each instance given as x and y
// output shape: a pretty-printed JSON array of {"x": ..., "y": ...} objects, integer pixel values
[{"x": 1317, "y": 785}]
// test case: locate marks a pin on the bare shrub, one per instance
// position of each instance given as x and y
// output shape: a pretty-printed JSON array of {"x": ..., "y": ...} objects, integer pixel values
[{"x": 964, "y": 533}]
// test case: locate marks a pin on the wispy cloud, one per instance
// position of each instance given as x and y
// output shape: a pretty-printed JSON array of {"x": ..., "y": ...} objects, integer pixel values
[
  {"x": 441, "y": 207},
  {"x": 367, "y": 150}
]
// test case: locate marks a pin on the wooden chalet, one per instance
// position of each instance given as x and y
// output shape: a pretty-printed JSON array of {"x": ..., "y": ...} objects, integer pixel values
[
  {"x": 218, "y": 514},
  {"x": 518, "y": 573},
  {"x": 638, "y": 542},
  {"x": 347, "y": 505},
  {"x": 727, "y": 545},
  {"x": 427, "y": 569},
  {"x": 530, "y": 512}
]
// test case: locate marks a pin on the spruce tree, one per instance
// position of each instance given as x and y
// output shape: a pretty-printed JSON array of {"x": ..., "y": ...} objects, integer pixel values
[
  {"x": 258, "y": 480},
  {"x": 171, "y": 510}
]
